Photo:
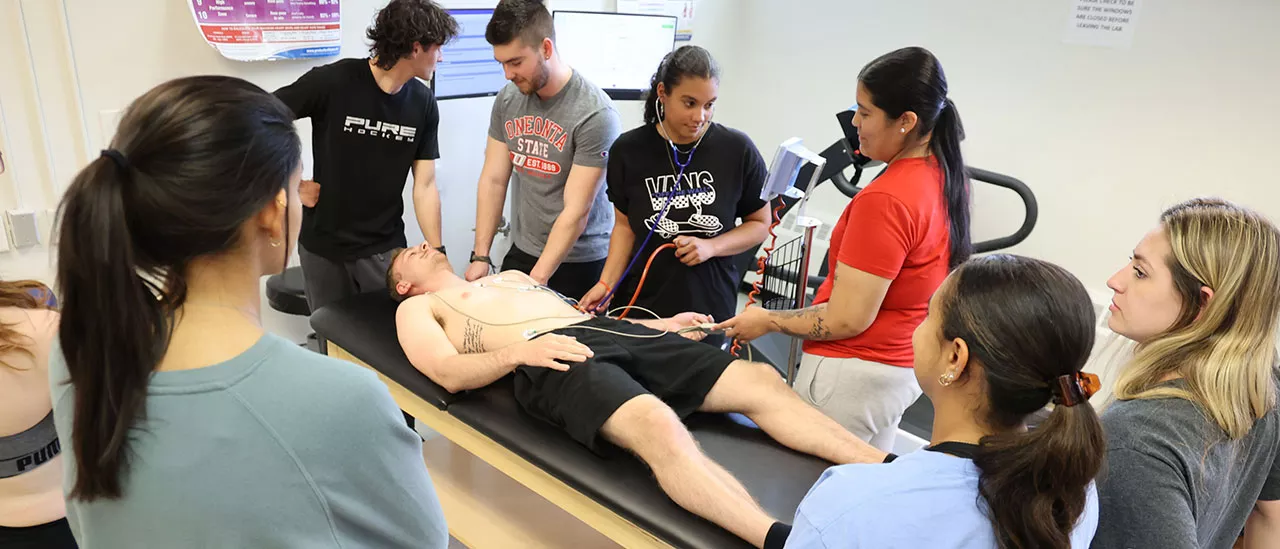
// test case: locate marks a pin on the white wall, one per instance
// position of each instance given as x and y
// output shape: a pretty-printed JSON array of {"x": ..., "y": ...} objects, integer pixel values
[
  {"x": 40, "y": 145},
  {"x": 1105, "y": 137},
  {"x": 75, "y": 64},
  {"x": 89, "y": 58}
]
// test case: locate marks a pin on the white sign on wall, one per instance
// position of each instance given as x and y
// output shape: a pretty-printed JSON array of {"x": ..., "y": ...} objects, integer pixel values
[
  {"x": 1102, "y": 22},
  {"x": 681, "y": 9}
]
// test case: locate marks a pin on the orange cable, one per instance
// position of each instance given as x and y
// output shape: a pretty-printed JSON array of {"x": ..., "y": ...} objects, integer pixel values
[
  {"x": 644, "y": 274},
  {"x": 755, "y": 286}
]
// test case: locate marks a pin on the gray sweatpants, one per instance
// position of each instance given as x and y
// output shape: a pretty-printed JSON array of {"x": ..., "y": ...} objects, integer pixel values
[
  {"x": 328, "y": 281},
  {"x": 867, "y": 398}
]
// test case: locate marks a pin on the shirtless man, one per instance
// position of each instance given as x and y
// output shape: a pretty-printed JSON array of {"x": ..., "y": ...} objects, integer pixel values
[{"x": 588, "y": 375}]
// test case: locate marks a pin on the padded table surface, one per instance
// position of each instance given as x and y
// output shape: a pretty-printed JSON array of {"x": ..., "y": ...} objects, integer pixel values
[
  {"x": 365, "y": 325},
  {"x": 777, "y": 477}
]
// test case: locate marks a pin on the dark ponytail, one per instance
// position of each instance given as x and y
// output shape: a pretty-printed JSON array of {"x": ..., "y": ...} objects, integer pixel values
[
  {"x": 683, "y": 62},
  {"x": 192, "y": 160},
  {"x": 911, "y": 79},
  {"x": 1027, "y": 323}
]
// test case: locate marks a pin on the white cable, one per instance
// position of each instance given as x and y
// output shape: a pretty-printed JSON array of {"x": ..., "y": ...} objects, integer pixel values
[{"x": 574, "y": 326}]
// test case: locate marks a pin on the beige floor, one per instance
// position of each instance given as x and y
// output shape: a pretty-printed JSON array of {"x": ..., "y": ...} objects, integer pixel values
[{"x": 496, "y": 511}]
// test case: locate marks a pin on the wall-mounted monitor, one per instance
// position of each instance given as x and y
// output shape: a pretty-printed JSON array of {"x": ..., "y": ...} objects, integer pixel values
[
  {"x": 619, "y": 52},
  {"x": 468, "y": 68}
]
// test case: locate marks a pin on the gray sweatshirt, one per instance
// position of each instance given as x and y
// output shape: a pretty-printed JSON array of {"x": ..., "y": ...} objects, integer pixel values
[
  {"x": 1174, "y": 481},
  {"x": 279, "y": 447}
]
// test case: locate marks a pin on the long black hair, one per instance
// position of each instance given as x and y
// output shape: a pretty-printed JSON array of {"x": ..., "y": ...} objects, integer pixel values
[
  {"x": 192, "y": 160},
  {"x": 1027, "y": 323},
  {"x": 911, "y": 79},
  {"x": 676, "y": 66}
]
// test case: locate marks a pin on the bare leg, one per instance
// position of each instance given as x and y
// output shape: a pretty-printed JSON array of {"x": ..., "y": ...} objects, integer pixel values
[
  {"x": 757, "y": 391},
  {"x": 651, "y": 430}
]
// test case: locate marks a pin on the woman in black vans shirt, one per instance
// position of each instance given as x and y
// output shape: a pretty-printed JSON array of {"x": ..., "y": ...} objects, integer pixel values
[{"x": 689, "y": 181}]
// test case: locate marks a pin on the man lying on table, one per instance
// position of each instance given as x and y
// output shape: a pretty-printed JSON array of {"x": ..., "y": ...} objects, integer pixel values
[{"x": 602, "y": 379}]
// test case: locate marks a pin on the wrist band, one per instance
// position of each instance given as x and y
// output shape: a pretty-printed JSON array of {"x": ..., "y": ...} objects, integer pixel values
[
  {"x": 607, "y": 287},
  {"x": 483, "y": 258}
]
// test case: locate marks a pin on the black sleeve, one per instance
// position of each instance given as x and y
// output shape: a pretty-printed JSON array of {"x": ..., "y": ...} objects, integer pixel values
[
  {"x": 615, "y": 177},
  {"x": 306, "y": 96},
  {"x": 754, "y": 173},
  {"x": 429, "y": 144}
]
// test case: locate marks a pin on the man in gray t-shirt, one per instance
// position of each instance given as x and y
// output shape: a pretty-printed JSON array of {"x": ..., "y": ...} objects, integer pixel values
[{"x": 549, "y": 137}]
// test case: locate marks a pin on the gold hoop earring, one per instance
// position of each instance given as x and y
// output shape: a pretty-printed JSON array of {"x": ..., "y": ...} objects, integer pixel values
[{"x": 275, "y": 243}]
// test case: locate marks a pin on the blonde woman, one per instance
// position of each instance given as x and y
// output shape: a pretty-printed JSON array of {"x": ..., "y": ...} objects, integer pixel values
[
  {"x": 32, "y": 512},
  {"x": 1194, "y": 435}
]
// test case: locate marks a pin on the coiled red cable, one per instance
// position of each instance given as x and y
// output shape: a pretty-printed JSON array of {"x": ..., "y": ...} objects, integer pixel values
[{"x": 755, "y": 286}]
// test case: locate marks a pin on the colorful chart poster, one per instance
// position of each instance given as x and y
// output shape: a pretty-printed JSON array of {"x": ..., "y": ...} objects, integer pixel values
[{"x": 266, "y": 30}]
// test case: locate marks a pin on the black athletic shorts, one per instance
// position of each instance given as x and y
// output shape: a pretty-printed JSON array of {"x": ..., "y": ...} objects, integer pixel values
[
  {"x": 54, "y": 535},
  {"x": 677, "y": 370}
]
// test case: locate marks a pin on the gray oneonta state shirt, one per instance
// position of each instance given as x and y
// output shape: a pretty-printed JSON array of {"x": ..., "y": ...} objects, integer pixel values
[{"x": 546, "y": 138}]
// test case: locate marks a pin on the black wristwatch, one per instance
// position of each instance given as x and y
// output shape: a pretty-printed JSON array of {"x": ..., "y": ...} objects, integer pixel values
[
  {"x": 440, "y": 249},
  {"x": 483, "y": 258}
]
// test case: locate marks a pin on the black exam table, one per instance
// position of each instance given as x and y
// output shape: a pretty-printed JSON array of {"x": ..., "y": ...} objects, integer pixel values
[{"x": 362, "y": 329}]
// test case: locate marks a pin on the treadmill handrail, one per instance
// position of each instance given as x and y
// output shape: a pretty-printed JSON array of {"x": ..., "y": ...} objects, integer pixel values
[{"x": 1028, "y": 201}]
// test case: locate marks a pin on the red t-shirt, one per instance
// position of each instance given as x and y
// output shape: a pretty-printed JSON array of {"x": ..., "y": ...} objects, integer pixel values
[{"x": 895, "y": 228}]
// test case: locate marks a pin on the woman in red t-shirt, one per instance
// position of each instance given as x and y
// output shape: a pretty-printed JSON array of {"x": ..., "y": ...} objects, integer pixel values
[{"x": 894, "y": 244}]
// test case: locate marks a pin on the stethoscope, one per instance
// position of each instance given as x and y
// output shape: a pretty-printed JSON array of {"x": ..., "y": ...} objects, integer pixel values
[{"x": 683, "y": 166}]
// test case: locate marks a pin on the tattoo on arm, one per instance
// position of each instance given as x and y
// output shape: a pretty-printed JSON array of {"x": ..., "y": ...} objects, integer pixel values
[
  {"x": 818, "y": 330},
  {"x": 471, "y": 338}
]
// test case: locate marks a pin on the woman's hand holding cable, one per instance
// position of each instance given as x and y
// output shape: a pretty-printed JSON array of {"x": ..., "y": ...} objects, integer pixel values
[
  {"x": 750, "y": 324},
  {"x": 693, "y": 251},
  {"x": 595, "y": 300},
  {"x": 689, "y": 320}
]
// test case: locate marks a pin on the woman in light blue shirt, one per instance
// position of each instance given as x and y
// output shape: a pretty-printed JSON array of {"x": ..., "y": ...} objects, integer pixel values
[
  {"x": 184, "y": 423},
  {"x": 1005, "y": 336}
]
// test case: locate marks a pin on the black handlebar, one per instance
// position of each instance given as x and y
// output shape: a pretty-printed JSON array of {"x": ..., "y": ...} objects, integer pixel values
[
  {"x": 839, "y": 158},
  {"x": 1028, "y": 202}
]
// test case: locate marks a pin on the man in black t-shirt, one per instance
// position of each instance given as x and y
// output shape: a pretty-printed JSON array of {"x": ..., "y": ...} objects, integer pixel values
[{"x": 372, "y": 121}]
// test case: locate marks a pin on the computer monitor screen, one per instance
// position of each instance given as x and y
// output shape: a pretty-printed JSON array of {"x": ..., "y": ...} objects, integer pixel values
[
  {"x": 783, "y": 171},
  {"x": 619, "y": 52},
  {"x": 468, "y": 68}
]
